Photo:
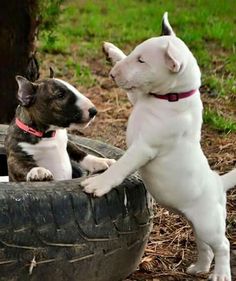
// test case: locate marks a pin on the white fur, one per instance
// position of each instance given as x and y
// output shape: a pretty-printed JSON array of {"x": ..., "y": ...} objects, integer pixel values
[
  {"x": 95, "y": 164},
  {"x": 4, "y": 179},
  {"x": 82, "y": 102},
  {"x": 163, "y": 141},
  {"x": 39, "y": 174},
  {"x": 51, "y": 154},
  {"x": 114, "y": 53}
]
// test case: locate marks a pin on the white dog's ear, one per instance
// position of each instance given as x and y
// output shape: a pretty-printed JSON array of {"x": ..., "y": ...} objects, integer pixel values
[
  {"x": 113, "y": 53},
  {"x": 172, "y": 58},
  {"x": 166, "y": 27}
]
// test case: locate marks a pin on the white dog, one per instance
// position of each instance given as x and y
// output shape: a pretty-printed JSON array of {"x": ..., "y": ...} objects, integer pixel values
[{"x": 162, "y": 79}]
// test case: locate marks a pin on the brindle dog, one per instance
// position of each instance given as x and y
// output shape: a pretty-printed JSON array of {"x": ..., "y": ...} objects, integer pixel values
[{"x": 37, "y": 143}]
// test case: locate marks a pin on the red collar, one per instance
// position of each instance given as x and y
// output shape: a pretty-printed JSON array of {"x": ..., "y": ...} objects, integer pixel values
[
  {"x": 34, "y": 132},
  {"x": 173, "y": 97}
]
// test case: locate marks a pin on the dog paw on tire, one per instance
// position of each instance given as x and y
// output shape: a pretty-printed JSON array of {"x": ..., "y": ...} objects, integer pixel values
[
  {"x": 95, "y": 164},
  {"x": 39, "y": 174}
]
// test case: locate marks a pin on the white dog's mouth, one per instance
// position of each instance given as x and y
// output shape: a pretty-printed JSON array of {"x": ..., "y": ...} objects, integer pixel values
[
  {"x": 125, "y": 85},
  {"x": 130, "y": 88}
]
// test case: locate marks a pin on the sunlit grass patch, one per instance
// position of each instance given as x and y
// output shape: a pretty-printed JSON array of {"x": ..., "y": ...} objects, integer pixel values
[
  {"x": 219, "y": 122},
  {"x": 54, "y": 43}
]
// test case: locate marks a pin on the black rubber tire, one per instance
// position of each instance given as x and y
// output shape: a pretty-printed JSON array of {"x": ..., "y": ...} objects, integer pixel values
[{"x": 69, "y": 234}]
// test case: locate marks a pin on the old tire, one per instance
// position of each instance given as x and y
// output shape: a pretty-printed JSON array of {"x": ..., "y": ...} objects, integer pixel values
[{"x": 54, "y": 231}]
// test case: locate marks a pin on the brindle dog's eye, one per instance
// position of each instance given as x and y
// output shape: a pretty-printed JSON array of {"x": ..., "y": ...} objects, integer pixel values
[
  {"x": 60, "y": 95},
  {"x": 140, "y": 60}
]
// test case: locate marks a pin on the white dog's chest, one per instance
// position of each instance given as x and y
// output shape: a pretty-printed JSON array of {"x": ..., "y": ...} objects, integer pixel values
[
  {"x": 179, "y": 160},
  {"x": 52, "y": 154}
]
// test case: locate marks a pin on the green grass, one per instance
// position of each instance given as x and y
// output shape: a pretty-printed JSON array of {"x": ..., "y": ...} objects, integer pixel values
[
  {"x": 123, "y": 22},
  {"x": 207, "y": 27},
  {"x": 54, "y": 43},
  {"x": 219, "y": 122}
]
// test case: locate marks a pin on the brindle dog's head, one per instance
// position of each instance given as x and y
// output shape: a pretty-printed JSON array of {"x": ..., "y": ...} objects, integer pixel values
[{"x": 54, "y": 102}]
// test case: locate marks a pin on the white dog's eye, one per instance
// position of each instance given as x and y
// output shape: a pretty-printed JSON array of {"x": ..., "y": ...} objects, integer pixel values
[{"x": 140, "y": 60}]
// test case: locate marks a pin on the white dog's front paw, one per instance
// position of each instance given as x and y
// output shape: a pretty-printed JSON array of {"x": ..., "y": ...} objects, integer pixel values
[
  {"x": 197, "y": 268},
  {"x": 97, "y": 185},
  {"x": 39, "y": 174},
  {"x": 95, "y": 164}
]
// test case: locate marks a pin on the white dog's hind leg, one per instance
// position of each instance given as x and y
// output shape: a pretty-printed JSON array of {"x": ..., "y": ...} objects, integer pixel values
[
  {"x": 222, "y": 261},
  {"x": 205, "y": 257},
  {"x": 209, "y": 226}
]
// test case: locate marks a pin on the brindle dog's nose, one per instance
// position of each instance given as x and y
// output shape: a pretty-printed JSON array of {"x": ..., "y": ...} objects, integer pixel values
[{"x": 92, "y": 112}]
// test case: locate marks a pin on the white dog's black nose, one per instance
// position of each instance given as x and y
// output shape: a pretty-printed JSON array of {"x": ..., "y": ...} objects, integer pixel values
[{"x": 92, "y": 112}]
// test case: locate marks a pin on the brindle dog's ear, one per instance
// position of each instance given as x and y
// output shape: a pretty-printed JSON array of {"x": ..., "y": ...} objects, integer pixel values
[
  {"x": 32, "y": 71},
  {"x": 26, "y": 91},
  {"x": 51, "y": 72},
  {"x": 166, "y": 27}
]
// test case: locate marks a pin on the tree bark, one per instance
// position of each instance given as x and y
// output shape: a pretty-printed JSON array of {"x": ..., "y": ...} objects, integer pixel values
[{"x": 18, "y": 28}]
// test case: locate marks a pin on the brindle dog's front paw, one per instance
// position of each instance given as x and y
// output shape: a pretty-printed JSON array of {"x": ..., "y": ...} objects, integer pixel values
[
  {"x": 95, "y": 164},
  {"x": 39, "y": 174}
]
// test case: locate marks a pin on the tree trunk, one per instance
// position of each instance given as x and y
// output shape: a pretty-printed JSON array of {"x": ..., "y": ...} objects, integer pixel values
[{"x": 18, "y": 27}]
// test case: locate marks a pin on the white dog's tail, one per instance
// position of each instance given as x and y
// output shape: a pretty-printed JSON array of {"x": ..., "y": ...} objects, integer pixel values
[{"x": 229, "y": 180}]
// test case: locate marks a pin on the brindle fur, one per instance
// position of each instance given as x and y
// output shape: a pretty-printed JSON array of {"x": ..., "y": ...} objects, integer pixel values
[
  {"x": 50, "y": 103},
  {"x": 75, "y": 153}
]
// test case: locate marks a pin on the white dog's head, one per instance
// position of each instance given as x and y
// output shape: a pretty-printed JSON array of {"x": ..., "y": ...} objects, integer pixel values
[{"x": 159, "y": 65}]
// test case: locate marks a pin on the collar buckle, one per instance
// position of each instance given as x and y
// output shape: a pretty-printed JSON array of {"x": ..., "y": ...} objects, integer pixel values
[{"x": 173, "y": 97}]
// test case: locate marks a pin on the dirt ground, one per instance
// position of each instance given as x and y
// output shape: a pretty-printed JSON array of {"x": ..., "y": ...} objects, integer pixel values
[{"x": 171, "y": 247}]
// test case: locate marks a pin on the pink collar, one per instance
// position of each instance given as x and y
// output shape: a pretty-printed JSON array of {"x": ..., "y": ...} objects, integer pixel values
[
  {"x": 173, "y": 97},
  {"x": 26, "y": 128}
]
